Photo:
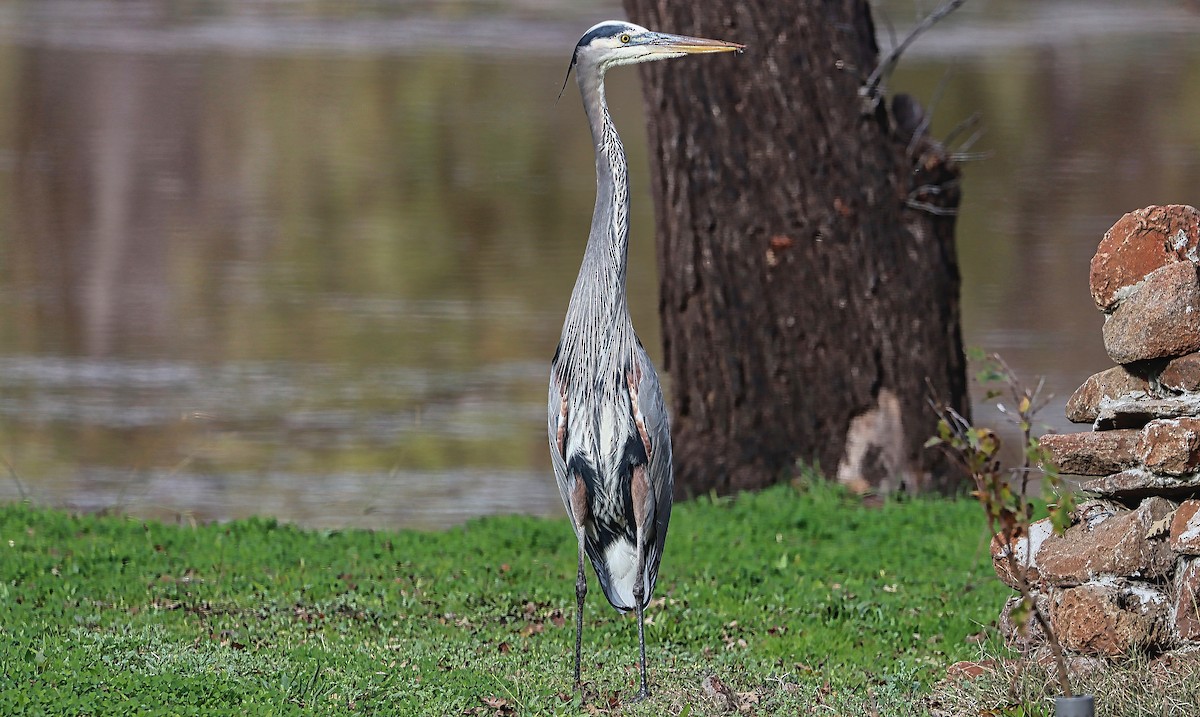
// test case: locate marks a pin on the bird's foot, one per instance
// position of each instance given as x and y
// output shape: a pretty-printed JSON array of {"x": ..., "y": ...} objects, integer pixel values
[
  {"x": 586, "y": 693},
  {"x": 643, "y": 694},
  {"x": 585, "y": 690}
]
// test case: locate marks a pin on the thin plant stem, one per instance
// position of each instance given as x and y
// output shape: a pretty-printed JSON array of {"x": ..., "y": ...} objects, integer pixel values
[{"x": 1009, "y": 512}]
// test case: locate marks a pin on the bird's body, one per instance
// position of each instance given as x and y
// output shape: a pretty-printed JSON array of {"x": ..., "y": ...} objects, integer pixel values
[
  {"x": 616, "y": 424},
  {"x": 609, "y": 432}
]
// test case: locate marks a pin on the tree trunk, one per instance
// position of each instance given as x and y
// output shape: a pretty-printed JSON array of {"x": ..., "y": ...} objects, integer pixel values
[{"x": 810, "y": 290}]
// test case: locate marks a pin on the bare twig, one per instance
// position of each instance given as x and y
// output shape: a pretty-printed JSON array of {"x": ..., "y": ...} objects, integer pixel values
[
  {"x": 961, "y": 157},
  {"x": 930, "y": 190},
  {"x": 923, "y": 127},
  {"x": 933, "y": 209},
  {"x": 888, "y": 63},
  {"x": 971, "y": 122}
]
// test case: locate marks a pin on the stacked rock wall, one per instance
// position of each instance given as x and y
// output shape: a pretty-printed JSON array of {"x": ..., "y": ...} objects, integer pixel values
[{"x": 1126, "y": 575}]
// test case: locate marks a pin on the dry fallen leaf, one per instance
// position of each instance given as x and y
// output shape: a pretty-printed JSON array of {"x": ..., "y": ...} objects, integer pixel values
[
  {"x": 1159, "y": 528},
  {"x": 533, "y": 628},
  {"x": 718, "y": 692},
  {"x": 495, "y": 707}
]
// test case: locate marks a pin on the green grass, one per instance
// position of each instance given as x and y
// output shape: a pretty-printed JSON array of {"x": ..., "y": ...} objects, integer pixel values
[{"x": 792, "y": 599}]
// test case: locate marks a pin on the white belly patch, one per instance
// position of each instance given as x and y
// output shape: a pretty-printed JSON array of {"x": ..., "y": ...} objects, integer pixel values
[{"x": 621, "y": 559}]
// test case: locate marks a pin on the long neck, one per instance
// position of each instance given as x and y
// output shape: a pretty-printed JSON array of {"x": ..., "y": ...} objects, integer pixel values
[{"x": 600, "y": 288}]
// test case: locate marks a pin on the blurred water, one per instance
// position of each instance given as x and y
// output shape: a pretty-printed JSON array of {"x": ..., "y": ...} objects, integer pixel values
[{"x": 311, "y": 259}]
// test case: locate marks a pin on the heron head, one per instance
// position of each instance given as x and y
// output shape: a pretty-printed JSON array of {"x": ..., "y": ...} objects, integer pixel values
[{"x": 614, "y": 42}]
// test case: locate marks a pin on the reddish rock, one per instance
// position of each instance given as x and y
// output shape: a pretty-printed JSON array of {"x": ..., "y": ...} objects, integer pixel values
[
  {"x": 1007, "y": 561},
  {"x": 1115, "y": 546},
  {"x": 1187, "y": 600},
  {"x": 1185, "y": 528},
  {"x": 1135, "y": 413},
  {"x": 1116, "y": 382},
  {"x": 1095, "y": 511},
  {"x": 1139, "y": 243},
  {"x": 1032, "y": 634},
  {"x": 1170, "y": 446},
  {"x": 969, "y": 670},
  {"x": 1109, "y": 618},
  {"x": 1095, "y": 453},
  {"x": 1181, "y": 374},
  {"x": 1139, "y": 483},
  {"x": 1159, "y": 318}
]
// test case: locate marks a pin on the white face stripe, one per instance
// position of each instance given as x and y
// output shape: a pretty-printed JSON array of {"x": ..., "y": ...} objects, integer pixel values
[{"x": 602, "y": 43}]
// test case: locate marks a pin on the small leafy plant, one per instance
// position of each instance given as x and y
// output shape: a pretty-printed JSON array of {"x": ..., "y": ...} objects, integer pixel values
[{"x": 1004, "y": 492}]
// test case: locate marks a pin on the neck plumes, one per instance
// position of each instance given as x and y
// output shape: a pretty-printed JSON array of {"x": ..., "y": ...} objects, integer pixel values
[{"x": 599, "y": 294}]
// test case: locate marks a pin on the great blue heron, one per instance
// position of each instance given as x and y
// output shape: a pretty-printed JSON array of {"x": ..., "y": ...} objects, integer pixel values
[{"x": 610, "y": 439}]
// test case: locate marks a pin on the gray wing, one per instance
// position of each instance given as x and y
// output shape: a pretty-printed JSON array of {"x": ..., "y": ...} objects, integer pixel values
[
  {"x": 555, "y": 425},
  {"x": 659, "y": 473}
]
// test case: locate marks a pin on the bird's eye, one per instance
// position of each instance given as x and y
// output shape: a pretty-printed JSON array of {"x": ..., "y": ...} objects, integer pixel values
[{"x": 625, "y": 39}]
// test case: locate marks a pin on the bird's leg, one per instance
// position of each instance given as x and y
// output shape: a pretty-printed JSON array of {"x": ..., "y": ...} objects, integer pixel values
[
  {"x": 579, "y": 512},
  {"x": 640, "y": 492},
  {"x": 639, "y": 599},
  {"x": 580, "y": 594}
]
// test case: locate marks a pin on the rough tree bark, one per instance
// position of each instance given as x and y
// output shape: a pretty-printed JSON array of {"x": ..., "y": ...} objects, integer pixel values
[{"x": 810, "y": 290}]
